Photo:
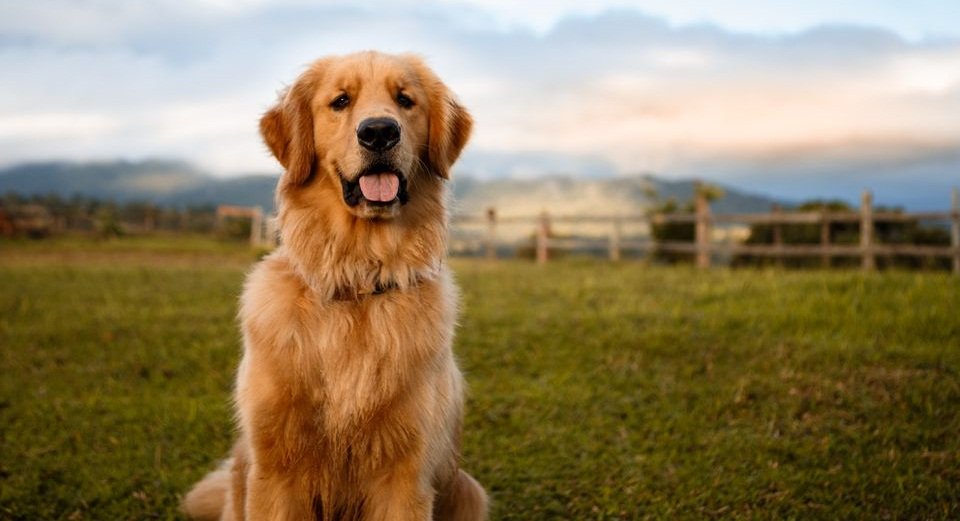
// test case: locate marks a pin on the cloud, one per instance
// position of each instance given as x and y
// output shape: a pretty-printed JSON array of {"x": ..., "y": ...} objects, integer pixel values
[
  {"x": 601, "y": 89},
  {"x": 654, "y": 97}
]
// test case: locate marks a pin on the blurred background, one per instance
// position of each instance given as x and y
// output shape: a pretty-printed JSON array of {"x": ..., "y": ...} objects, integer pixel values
[{"x": 610, "y": 108}]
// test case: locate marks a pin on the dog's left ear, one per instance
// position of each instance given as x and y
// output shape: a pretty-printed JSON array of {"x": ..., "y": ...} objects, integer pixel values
[
  {"x": 450, "y": 124},
  {"x": 287, "y": 128}
]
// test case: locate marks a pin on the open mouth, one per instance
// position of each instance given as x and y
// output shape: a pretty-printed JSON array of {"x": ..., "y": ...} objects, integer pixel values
[{"x": 378, "y": 185}]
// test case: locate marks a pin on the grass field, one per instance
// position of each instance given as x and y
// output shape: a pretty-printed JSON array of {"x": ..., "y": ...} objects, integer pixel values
[{"x": 598, "y": 391}]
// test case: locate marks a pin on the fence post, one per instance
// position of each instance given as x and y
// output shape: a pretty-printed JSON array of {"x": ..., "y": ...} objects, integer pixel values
[
  {"x": 955, "y": 231},
  {"x": 272, "y": 232},
  {"x": 869, "y": 261},
  {"x": 702, "y": 229},
  {"x": 149, "y": 218},
  {"x": 824, "y": 237},
  {"x": 256, "y": 227},
  {"x": 490, "y": 245},
  {"x": 615, "y": 236},
  {"x": 777, "y": 234},
  {"x": 543, "y": 233},
  {"x": 653, "y": 221}
]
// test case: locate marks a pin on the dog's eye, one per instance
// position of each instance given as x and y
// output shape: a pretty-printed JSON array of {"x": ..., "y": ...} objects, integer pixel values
[
  {"x": 405, "y": 101},
  {"x": 340, "y": 102}
]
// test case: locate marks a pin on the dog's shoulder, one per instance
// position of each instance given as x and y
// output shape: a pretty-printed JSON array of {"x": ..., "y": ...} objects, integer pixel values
[{"x": 274, "y": 298}]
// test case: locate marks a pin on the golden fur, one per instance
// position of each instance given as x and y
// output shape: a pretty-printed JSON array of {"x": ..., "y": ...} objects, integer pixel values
[{"x": 351, "y": 407}]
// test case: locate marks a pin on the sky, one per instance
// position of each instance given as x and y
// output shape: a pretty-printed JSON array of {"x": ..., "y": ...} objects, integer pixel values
[{"x": 796, "y": 99}]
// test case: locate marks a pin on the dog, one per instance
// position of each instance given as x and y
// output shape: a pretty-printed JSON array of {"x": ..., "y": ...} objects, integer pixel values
[{"x": 348, "y": 398}]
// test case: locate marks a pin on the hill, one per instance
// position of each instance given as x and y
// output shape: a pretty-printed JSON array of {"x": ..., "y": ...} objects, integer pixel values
[
  {"x": 567, "y": 195},
  {"x": 175, "y": 183},
  {"x": 162, "y": 182}
]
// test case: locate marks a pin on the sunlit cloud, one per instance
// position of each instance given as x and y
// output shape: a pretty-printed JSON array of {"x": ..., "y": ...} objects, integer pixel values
[
  {"x": 57, "y": 125},
  {"x": 927, "y": 72}
]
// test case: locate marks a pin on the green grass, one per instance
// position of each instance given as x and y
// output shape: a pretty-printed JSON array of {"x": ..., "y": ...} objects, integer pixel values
[
  {"x": 147, "y": 251},
  {"x": 598, "y": 391}
]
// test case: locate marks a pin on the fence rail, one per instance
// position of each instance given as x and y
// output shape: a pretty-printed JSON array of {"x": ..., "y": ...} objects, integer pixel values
[{"x": 703, "y": 248}]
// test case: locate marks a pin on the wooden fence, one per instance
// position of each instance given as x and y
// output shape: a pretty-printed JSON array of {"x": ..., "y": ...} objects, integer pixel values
[
  {"x": 703, "y": 248},
  {"x": 263, "y": 231}
]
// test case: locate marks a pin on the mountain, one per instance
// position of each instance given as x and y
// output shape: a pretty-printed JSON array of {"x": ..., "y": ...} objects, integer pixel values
[
  {"x": 566, "y": 195},
  {"x": 174, "y": 183},
  {"x": 162, "y": 182}
]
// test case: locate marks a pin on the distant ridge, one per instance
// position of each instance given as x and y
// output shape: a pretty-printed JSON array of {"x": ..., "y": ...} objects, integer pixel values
[
  {"x": 162, "y": 182},
  {"x": 179, "y": 184},
  {"x": 567, "y": 195}
]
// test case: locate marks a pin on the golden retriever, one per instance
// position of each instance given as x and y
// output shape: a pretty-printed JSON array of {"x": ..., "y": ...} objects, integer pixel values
[{"x": 348, "y": 397}]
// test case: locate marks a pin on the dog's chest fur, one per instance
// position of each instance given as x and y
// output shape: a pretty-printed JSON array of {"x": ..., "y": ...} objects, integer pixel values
[{"x": 349, "y": 371}]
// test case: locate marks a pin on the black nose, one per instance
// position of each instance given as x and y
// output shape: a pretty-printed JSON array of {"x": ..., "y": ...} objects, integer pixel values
[{"x": 378, "y": 134}]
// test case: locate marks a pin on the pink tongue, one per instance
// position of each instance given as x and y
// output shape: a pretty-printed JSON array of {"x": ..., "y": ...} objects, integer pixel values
[{"x": 380, "y": 187}]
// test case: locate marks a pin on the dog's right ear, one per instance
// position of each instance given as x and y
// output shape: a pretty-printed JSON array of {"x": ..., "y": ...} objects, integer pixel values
[{"x": 287, "y": 128}]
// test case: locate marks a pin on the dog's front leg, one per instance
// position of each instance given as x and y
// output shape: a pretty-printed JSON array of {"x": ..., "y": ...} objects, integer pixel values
[
  {"x": 271, "y": 424},
  {"x": 274, "y": 497},
  {"x": 400, "y": 495}
]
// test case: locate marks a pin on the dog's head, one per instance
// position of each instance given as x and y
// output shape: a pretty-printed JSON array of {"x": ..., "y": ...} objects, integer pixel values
[{"x": 373, "y": 126}]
